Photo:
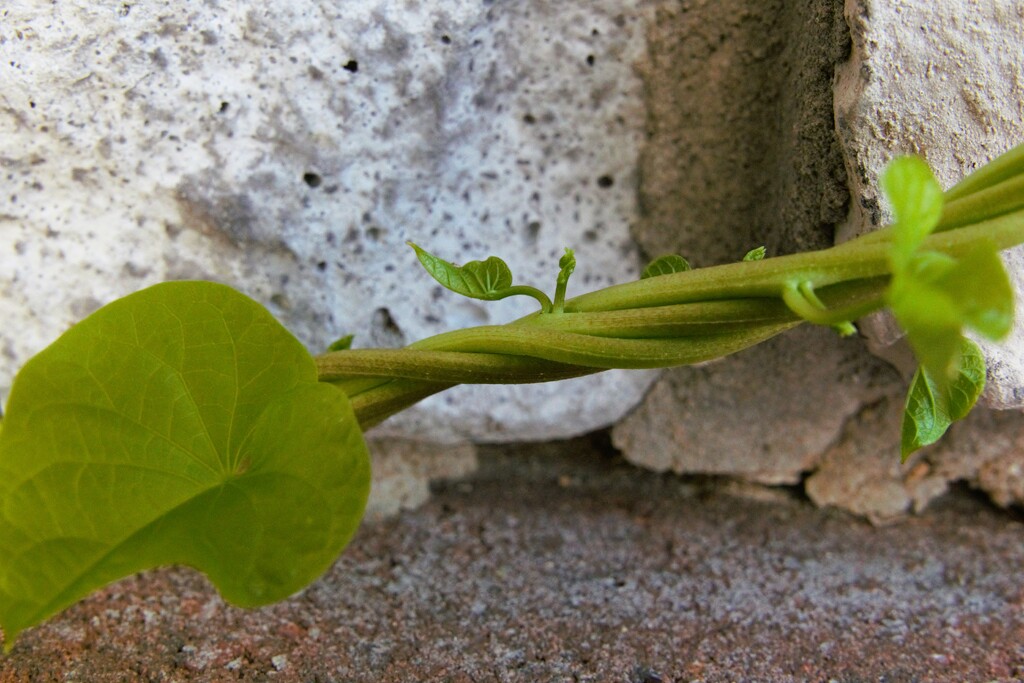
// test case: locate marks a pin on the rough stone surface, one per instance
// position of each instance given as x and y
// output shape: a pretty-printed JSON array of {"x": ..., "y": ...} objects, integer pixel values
[
  {"x": 741, "y": 146},
  {"x": 930, "y": 78},
  {"x": 736, "y": 160},
  {"x": 290, "y": 149},
  {"x": 766, "y": 414},
  {"x": 403, "y": 470},
  {"x": 742, "y": 151},
  {"x": 861, "y": 472},
  {"x": 559, "y": 564}
]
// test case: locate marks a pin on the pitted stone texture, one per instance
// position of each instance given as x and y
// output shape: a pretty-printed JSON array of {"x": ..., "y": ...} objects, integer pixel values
[
  {"x": 766, "y": 414},
  {"x": 930, "y": 78},
  {"x": 289, "y": 149}
]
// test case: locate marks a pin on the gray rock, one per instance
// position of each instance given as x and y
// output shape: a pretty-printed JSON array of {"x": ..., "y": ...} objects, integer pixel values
[
  {"x": 403, "y": 470},
  {"x": 932, "y": 79},
  {"x": 742, "y": 149},
  {"x": 862, "y": 473},
  {"x": 766, "y": 414},
  {"x": 736, "y": 154},
  {"x": 290, "y": 150}
]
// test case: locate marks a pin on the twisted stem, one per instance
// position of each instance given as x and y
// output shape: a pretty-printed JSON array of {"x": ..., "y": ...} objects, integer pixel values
[{"x": 679, "y": 318}]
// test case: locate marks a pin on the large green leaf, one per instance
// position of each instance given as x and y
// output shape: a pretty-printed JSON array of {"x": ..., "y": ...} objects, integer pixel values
[{"x": 179, "y": 425}]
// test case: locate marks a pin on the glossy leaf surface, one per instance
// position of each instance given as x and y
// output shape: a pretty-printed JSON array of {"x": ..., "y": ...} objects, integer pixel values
[
  {"x": 756, "y": 254},
  {"x": 933, "y": 406},
  {"x": 665, "y": 265},
  {"x": 179, "y": 425},
  {"x": 476, "y": 279}
]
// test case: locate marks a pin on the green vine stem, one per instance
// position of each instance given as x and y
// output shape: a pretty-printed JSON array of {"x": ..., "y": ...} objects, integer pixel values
[
  {"x": 678, "y": 318},
  {"x": 668, "y": 324}
]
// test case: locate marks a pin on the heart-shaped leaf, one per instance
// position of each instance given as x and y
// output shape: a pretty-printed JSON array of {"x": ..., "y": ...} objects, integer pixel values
[
  {"x": 932, "y": 406},
  {"x": 477, "y": 279},
  {"x": 179, "y": 425}
]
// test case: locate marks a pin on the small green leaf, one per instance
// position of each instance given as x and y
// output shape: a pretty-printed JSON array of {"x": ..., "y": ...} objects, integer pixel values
[
  {"x": 755, "y": 254},
  {"x": 916, "y": 199},
  {"x": 931, "y": 407},
  {"x": 933, "y": 295},
  {"x": 665, "y": 265},
  {"x": 342, "y": 343},
  {"x": 179, "y": 425},
  {"x": 476, "y": 279},
  {"x": 566, "y": 264},
  {"x": 489, "y": 280}
]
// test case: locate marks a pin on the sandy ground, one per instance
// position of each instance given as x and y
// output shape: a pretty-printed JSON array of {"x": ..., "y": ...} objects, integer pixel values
[{"x": 561, "y": 563}]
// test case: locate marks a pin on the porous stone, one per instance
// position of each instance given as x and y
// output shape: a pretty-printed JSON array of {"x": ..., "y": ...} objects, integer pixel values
[
  {"x": 932, "y": 79},
  {"x": 862, "y": 471},
  {"x": 290, "y": 149}
]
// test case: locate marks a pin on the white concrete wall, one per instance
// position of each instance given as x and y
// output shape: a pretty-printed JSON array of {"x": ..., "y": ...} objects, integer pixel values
[{"x": 290, "y": 149}]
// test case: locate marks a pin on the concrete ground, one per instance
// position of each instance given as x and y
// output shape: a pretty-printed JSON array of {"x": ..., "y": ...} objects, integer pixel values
[{"x": 560, "y": 563}]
